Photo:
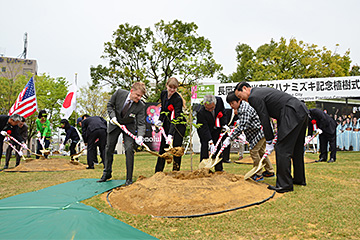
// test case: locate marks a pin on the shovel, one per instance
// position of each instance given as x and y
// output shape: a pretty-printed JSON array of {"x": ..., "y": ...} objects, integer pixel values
[
  {"x": 205, "y": 163},
  {"x": 261, "y": 164},
  {"x": 176, "y": 151},
  {"x": 168, "y": 157},
  {"x": 18, "y": 152},
  {"x": 43, "y": 151},
  {"x": 15, "y": 140}
]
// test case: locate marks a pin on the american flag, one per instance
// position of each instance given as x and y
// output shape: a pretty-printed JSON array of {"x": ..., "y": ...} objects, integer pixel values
[{"x": 25, "y": 105}]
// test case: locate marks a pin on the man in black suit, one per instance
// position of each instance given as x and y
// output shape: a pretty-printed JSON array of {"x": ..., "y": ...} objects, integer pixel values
[
  {"x": 212, "y": 117},
  {"x": 9, "y": 125},
  {"x": 328, "y": 135},
  {"x": 292, "y": 119},
  {"x": 23, "y": 132},
  {"x": 93, "y": 128},
  {"x": 126, "y": 108}
]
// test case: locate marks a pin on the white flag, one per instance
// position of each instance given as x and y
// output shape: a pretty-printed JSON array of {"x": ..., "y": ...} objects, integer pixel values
[{"x": 69, "y": 104}]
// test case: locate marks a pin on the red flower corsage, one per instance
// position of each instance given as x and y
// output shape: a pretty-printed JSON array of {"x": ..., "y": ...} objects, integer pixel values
[
  {"x": 313, "y": 121},
  {"x": 171, "y": 108},
  {"x": 220, "y": 115},
  {"x": 8, "y": 132}
]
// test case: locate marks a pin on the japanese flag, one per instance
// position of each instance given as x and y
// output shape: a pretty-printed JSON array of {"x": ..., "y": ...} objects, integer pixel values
[{"x": 69, "y": 104}]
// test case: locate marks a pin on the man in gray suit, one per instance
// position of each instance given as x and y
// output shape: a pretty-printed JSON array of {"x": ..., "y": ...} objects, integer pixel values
[
  {"x": 127, "y": 109},
  {"x": 292, "y": 118}
]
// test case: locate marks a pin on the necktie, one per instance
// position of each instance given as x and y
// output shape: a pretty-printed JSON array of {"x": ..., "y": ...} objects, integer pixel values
[{"x": 125, "y": 108}]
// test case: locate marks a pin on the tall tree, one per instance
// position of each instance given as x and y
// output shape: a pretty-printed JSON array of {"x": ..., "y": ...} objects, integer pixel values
[
  {"x": 172, "y": 49},
  {"x": 287, "y": 60},
  {"x": 92, "y": 101}
]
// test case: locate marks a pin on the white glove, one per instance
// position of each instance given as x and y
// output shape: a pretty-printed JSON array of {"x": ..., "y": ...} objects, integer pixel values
[
  {"x": 139, "y": 140},
  {"x": 85, "y": 147},
  {"x": 3, "y": 133},
  {"x": 237, "y": 122},
  {"x": 227, "y": 142},
  {"x": 226, "y": 128},
  {"x": 38, "y": 135},
  {"x": 158, "y": 123},
  {"x": 169, "y": 139},
  {"x": 41, "y": 140},
  {"x": 20, "y": 153},
  {"x": 269, "y": 148},
  {"x": 319, "y": 131},
  {"x": 23, "y": 145},
  {"x": 114, "y": 121},
  {"x": 212, "y": 149},
  {"x": 61, "y": 147}
]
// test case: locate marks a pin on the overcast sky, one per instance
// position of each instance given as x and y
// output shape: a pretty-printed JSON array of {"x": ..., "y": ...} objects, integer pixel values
[{"x": 67, "y": 37}]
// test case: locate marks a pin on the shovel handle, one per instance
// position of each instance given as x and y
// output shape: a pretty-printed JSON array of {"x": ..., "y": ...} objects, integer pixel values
[
  {"x": 260, "y": 165},
  {"x": 309, "y": 140},
  {"x": 123, "y": 127},
  {"x": 18, "y": 152}
]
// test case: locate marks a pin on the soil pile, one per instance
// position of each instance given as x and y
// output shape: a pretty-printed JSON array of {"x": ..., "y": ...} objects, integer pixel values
[
  {"x": 248, "y": 160},
  {"x": 186, "y": 193},
  {"x": 50, "y": 164}
]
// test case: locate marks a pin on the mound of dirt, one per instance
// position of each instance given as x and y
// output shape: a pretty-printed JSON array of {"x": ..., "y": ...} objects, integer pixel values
[
  {"x": 50, "y": 164},
  {"x": 248, "y": 160},
  {"x": 187, "y": 193}
]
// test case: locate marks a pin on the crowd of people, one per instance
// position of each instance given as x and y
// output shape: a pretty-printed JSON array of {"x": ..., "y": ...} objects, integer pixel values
[
  {"x": 250, "y": 120},
  {"x": 347, "y": 132}
]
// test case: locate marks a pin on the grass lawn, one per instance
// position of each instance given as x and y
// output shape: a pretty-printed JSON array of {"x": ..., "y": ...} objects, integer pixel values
[{"x": 327, "y": 208}]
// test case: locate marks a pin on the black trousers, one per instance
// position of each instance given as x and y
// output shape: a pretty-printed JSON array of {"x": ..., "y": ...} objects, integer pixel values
[
  {"x": 9, "y": 151},
  {"x": 72, "y": 149},
  {"x": 39, "y": 146},
  {"x": 92, "y": 146},
  {"x": 204, "y": 150},
  {"x": 326, "y": 139},
  {"x": 129, "y": 143},
  {"x": 177, "y": 142},
  {"x": 291, "y": 147}
]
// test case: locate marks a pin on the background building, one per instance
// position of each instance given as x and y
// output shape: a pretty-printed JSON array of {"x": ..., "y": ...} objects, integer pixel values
[{"x": 11, "y": 67}]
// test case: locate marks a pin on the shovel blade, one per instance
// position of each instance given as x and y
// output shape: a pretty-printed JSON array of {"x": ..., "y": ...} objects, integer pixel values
[{"x": 205, "y": 163}]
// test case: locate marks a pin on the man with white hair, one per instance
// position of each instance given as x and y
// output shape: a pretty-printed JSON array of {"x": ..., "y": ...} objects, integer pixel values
[
  {"x": 9, "y": 126},
  {"x": 212, "y": 118}
]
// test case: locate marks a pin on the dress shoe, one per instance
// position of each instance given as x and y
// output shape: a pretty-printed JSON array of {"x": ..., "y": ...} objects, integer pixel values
[
  {"x": 331, "y": 160},
  {"x": 128, "y": 182},
  {"x": 6, "y": 167},
  {"x": 280, "y": 189},
  {"x": 104, "y": 178},
  {"x": 321, "y": 160},
  {"x": 89, "y": 167},
  {"x": 226, "y": 161}
]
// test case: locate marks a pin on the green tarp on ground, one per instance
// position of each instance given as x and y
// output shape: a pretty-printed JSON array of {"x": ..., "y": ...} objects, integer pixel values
[{"x": 56, "y": 213}]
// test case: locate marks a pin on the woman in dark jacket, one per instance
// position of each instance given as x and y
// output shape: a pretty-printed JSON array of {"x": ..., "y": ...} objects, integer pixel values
[{"x": 173, "y": 121}]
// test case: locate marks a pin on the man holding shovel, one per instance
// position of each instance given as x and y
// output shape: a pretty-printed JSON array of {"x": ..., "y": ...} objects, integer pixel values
[
  {"x": 250, "y": 124},
  {"x": 9, "y": 126},
  {"x": 212, "y": 120},
  {"x": 292, "y": 118},
  {"x": 23, "y": 132},
  {"x": 125, "y": 108}
]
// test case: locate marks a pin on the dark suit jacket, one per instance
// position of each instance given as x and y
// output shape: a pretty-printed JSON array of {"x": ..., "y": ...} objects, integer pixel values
[
  {"x": 208, "y": 131},
  {"x": 286, "y": 109},
  {"x": 5, "y": 126},
  {"x": 91, "y": 124},
  {"x": 323, "y": 121},
  {"x": 165, "y": 115},
  {"x": 135, "y": 116}
]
